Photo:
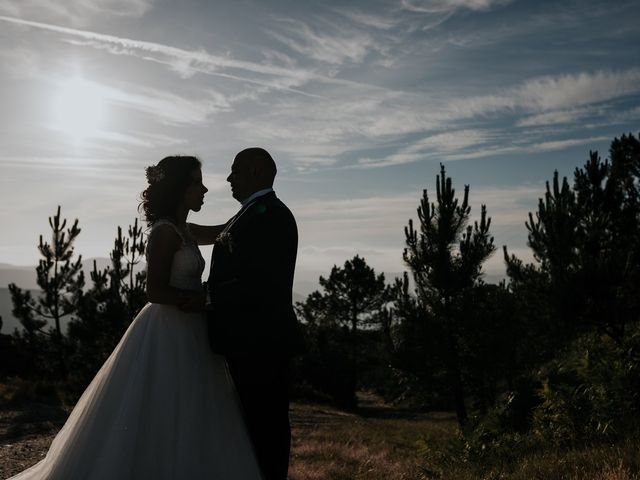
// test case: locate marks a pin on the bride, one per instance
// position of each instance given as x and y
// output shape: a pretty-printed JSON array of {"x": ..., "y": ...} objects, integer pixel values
[{"x": 162, "y": 406}]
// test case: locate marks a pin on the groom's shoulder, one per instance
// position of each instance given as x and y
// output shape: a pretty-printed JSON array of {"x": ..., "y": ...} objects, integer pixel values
[
  {"x": 272, "y": 203},
  {"x": 284, "y": 210},
  {"x": 272, "y": 209}
]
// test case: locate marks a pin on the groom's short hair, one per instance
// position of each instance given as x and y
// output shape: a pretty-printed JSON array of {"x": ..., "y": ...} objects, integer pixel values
[{"x": 261, "y": 157}]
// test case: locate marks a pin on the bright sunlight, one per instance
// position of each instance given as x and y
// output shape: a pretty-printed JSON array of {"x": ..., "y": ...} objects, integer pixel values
[{"x": 79, "y": 108}]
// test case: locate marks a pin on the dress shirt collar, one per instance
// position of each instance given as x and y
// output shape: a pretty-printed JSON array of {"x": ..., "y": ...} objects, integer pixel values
[{"x": 255, "y": 195}]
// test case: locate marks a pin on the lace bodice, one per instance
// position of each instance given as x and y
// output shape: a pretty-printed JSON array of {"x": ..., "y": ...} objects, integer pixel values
[{"x": 188, "y": 263}]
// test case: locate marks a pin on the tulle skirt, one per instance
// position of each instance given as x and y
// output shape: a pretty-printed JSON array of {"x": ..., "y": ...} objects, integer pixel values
[{"x": 162, "y": 406}]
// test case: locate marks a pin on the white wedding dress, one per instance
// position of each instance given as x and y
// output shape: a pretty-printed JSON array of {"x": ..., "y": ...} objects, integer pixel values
[{"x": 162, "y": 406}]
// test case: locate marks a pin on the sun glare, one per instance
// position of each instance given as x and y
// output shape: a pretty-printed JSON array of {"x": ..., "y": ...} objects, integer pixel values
[{"x": 79, "y": 109}]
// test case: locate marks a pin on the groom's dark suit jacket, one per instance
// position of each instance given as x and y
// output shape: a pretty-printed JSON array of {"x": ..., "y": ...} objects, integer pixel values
[{"x": 250, "y": 284}]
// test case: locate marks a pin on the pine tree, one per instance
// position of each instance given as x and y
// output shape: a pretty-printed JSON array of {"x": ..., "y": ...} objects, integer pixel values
[
  {"x": 353, "y": 293},
  {"x": 579, "y": 300},
  {"x": 126, "y": 254},
  {"x": 416, "y": 346},
  {"x": 108, "y": 307},
  {"x": 352, "y": 299},
  {"x": 446, "y": 256},
  {"x": 586, "y": 243},
  {"x": 61, "y": 280}
]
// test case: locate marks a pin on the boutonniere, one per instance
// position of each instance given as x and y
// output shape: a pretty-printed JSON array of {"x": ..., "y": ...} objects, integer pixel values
[{"x": 224, "y": 239}]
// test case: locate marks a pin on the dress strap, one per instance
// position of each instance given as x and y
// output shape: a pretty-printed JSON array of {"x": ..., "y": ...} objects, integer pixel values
[{"x": 164, "y": 221}]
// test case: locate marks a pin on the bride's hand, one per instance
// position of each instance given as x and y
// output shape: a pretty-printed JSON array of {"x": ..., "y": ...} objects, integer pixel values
[
  {"x": 195, "y": 302},
  {"x": 205, "y": 234}
]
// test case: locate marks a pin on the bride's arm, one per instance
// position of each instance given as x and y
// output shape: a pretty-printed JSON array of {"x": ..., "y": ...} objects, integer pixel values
[
  {"x": 162, "y": 246},
  {"x": 205, "y": 234}
]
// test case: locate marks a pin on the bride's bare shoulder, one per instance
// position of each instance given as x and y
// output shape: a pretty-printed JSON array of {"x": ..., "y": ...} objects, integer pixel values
[{"x": 163, "y": 236}]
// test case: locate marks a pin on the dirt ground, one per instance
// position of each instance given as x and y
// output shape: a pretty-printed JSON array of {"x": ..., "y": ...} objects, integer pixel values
[{"x": 25, "y": 435}]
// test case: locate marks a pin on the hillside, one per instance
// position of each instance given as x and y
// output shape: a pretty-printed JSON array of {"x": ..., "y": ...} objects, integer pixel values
[{"x": 9, "y": 323}]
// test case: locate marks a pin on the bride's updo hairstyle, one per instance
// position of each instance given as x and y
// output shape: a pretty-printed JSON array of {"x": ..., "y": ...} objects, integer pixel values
[{"x": 168, "y": 182}]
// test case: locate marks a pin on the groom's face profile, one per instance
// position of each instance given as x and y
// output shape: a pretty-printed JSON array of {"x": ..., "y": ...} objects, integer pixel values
[
  {"x": 252, "y": 170},
  {"x": 240, "y": 178}
]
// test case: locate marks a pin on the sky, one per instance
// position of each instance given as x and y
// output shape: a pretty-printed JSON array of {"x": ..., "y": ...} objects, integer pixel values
[{"x": 358, "y": 102}]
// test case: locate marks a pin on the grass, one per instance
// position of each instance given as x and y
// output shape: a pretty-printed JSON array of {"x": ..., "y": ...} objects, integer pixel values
[
  {"x": 604, "y": 462},
  {"x": 378, "y": 442},
  {"x": 382, "y": 443},
  {"x": 330, "y": 444}
]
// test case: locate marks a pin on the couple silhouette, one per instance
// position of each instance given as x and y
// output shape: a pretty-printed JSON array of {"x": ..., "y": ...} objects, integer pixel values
[{"x": 197, "y": 387}]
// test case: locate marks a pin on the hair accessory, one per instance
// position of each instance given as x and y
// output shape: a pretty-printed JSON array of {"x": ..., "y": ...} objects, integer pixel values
[{"x": 154, "y": 174}]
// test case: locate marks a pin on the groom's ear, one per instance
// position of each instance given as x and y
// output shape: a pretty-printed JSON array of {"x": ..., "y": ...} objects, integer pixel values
[{"x": 255, "y": 171}]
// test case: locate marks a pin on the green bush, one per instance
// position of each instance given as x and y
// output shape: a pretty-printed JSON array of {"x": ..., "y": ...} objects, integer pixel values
[
  {"x": 19, "y": 391},
  {"x": 590, "y": 392}
]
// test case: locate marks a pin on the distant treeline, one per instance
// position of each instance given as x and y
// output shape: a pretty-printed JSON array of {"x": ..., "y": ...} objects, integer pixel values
[{"x": 552, "y": 354}]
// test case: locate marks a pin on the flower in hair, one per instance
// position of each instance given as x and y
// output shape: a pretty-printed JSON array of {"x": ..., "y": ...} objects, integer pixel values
[{"x": 154, "y": 174}]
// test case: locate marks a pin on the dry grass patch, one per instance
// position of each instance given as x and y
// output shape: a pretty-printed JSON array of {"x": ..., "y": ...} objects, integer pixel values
[
  {"x": 387, "y": 444},
  {"x": 333, "y": 445},
  {"x": 604, "y": 462}
]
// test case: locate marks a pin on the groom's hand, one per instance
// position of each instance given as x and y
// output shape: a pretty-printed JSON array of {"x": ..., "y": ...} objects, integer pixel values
[{"x": 195, "y": 302}]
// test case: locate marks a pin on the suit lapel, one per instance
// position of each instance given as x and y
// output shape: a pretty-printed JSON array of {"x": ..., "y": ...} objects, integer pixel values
[{"x": 245, "y": 212}]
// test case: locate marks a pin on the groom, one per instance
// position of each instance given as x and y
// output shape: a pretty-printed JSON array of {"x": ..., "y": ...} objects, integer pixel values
[{"x": 251, "y": 319}]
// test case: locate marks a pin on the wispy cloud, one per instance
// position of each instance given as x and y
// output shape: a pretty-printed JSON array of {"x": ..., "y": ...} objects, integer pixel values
[
  {"x": 325, "y": 131},
  {"x": 530, "y": 147},
  {"x": 554, "y": 118},
  {"x": 332, "y": 45},
  {"x": 627, "y": 115},
  {"x": 578, "y": 89},
  {"x": 81, "y": 164},
  {"x": 76, "y": 12},
  {"x": 566, "y": 143},
  {"x": 554, "y": 92},
  {"x": 20, "y": 62},
  {"x": 183, "y": 61},
  {"x": 168, "y": 107},
  {"x": 144, "y": 140},
  {"x": 439, "y": 6},
  {"x": 507, "y": 205},
  {"x": 459, "y": 149},
  {"x": 439, "y": 145},
  {"x": 275, "y": 56},
  {"x": 161, "y": 106},
  {"x": 380, "y": 22}
]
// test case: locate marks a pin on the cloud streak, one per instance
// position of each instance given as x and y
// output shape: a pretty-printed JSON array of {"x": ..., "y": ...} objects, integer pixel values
[
  {"x": 78, "y": 12},
  {"x": 327, "y": 128},
  {"x": 331, "y": 45},
  {"x": 187, "y": 61},
  {"x": 440, "y": 6},
  {"x": 343, "y": 38},
  {"x": 326, "y": 131},
  {"x": 554, "y": 92}
]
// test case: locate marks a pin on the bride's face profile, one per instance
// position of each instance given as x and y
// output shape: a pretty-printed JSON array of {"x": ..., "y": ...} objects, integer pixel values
[{"x": 194, "y": 195}]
